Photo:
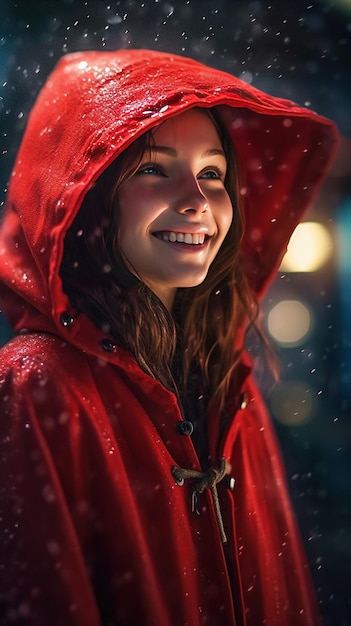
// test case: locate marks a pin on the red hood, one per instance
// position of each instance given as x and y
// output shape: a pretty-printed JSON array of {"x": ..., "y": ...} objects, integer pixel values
[{"x": 92, "y": 107}]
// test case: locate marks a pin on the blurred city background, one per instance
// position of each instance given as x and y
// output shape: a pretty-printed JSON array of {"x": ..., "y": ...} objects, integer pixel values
[{"x": 298, "y": 50}]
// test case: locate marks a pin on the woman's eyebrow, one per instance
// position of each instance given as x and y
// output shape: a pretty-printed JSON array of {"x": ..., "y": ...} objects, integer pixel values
[
  {"x": 164, "y": 150},
  {"x": 173, "y": 153},
  {"x": 214, "y": 152}
]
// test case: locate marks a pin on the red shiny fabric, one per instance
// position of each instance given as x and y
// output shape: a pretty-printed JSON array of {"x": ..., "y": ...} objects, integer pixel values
[{"x": 95, "y": 531}]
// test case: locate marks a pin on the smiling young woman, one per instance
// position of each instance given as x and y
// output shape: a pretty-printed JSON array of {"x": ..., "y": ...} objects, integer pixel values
[
  {"x": 146, "y": 193},
  {"x": 150, "y": 204}
]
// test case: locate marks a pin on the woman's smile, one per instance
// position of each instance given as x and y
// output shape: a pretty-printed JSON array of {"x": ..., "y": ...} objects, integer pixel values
[{"x": 196, "y": 239}]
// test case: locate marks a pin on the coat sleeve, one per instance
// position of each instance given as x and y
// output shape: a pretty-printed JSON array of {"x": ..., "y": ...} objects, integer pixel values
[{"x": 43, "y": 576}]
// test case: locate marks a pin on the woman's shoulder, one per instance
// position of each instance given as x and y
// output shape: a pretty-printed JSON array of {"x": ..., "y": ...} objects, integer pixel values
[
  {"x": 41, "y": 377},
  {"x": 33, "y": 354}
]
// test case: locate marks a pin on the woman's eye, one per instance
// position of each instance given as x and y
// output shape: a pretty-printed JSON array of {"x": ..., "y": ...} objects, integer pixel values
[
  {"x": 150, "y": 169},
  {"x": 213, "y": 174}
]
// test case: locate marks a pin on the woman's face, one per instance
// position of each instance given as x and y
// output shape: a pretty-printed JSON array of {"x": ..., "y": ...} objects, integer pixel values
[{"x": 174, "y": 210}]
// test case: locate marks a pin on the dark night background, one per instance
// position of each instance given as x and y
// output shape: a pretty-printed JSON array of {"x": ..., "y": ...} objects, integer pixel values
[{"x": 298, "y": 50}]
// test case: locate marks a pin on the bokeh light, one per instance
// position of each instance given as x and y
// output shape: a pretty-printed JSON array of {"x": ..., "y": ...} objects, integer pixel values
[
  {"x": 289, "y": 322},
  {"x": 309, "y": 249},
  {"x": 293, "y": 403}
]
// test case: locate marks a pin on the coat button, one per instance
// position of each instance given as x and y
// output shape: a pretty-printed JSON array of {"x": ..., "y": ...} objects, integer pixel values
[
  {"x": 243, "y": 400},
  {"x": 107, "y": 345},
  {"x": 66, "y": 320},
  {"x": 185, "y": 428},
  {"x": 231, "y": 483}
]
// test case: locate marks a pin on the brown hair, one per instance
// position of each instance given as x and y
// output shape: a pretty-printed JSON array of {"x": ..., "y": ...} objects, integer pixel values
[{"x": 206, "y": 318}]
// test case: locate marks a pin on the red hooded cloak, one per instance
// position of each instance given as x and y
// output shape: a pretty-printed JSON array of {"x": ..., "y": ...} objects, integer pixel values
[{"x": 95, "y": 530}]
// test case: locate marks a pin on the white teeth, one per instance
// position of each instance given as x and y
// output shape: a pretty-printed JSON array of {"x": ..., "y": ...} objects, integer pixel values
[{"x": 195, "y": 239}]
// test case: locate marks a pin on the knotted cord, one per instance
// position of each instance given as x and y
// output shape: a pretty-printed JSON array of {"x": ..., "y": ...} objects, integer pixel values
[{"x": 209, "y": 480}]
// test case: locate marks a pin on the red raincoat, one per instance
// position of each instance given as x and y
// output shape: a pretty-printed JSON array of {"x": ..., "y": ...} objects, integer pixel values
[{"x": 95, "y": 531}]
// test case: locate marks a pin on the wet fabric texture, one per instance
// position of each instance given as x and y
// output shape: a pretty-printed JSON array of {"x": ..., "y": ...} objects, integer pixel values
[{"x": 95, "y": 529}]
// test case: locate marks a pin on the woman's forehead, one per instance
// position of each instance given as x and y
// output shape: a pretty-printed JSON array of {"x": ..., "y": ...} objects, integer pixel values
[{"x": 194, "y": 126}]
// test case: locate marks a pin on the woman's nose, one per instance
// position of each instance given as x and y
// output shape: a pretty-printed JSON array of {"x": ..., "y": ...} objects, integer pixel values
[{"x": 191, "y": 200}]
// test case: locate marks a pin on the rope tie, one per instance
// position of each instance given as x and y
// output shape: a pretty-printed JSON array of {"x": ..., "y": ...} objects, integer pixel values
[{"x": 209, "y": 480}]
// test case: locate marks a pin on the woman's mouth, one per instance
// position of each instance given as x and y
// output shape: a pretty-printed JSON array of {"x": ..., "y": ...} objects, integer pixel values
[{"x": 187, "y": 238}]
